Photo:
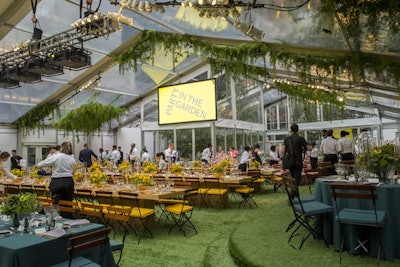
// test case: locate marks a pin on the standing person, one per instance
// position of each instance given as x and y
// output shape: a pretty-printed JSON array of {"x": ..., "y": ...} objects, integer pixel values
[
  {"x": 329, "y": 148},
  {"x": 273, "y": 156},
  {"x": 233, "y": 153},
  {"x": 346, "y": 146},
  {"x": 86, "y": 154},
  {"x": 15, "y": 160},
  {"x": 257, "y": 154},
  {"x": 219, "y": 154},
  {"x": 115, "y": 155},
  {"x": 170, "y": 153},
  {"x": 314, "y": 156},
  {"x": 121, "y": 154},
  {"x": 145, "y": 155},
  {"x": 133, "y": 154},
  {"x": 244, "y": 159},
  {"x": 4, "y": 156},
  {"x": 295, "y": 145},
  {"x": 102, "y": 155},
  {"x": 206, "y": 155},
  {"x": 62, "y": 184}
]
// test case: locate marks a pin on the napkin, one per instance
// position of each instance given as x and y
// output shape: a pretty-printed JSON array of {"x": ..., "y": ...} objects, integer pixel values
[{"x": 76, "y": 222}]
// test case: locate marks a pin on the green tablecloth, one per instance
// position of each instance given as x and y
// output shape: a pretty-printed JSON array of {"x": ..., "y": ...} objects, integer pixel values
[
  {"x": 31, "y": 250},
  {"x": 388, "y": 200}
]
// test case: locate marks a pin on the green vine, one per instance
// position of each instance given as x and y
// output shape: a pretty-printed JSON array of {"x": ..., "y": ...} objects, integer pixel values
[
  {"x": 242, "y": 60},
  {"x": 35, "y": 118},
  {"x": 88, "y": 118}
]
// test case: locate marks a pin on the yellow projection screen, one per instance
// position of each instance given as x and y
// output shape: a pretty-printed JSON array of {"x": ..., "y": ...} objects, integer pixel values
[{"x": 188, "y": 102}]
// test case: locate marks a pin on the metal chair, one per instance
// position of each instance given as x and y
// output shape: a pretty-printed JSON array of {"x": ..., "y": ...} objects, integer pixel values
[
  {"x": 306, "y": 215},
  {"x": 370, "y": 218}
]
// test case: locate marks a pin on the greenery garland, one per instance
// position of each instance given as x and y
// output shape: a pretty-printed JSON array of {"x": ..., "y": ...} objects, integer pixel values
[
  {"x": 35, "y": 118},
  {"x": 241, "y": 59},
  {"x": 88, "y": 118}
]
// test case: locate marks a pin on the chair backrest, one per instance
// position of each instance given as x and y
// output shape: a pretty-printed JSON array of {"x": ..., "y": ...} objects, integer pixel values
[
  {"x": 86, "y": 241},
  {"x": 40, "y": 190},
  {"x": 292, "y": 191},
  {"x": 67, "y": 206},
  {"x": 212, "y": 182},
  {"x": 105, "y": 197},
  {"x": 128, "y": 199},
  {"x": 190, "y": 196},
  {"x": 82, "y": 195},
  {"x": 354, "y": 191},
  {"x": 91, "y": 210}
]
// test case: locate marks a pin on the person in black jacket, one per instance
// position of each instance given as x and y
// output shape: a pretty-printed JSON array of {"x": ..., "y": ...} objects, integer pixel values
[
  {"x": 296, "y": 146},
  {"x": 86, "y": 154},
  {"x": 15, "y": 160}
]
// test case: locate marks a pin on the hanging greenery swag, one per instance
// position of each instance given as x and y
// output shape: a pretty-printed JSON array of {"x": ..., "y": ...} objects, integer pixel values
[
  {"x": 34, "y": 120},
  {"x": 242, "y": 59},
  {"x": 89, "y": 117}
]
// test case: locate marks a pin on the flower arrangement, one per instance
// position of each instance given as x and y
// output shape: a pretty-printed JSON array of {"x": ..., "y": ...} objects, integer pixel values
[
  {"x": 21, "y": 203},
  {"x": 78, "y": 176},
  {"x": 124, "y": 166},
  {"x": 217, "y": 168},
  {"x": 97, "y": 177},
  {"x": 254, "y": 164},
  {"x": 17, "y": 172},
  {"x": 149, "y": 167},
  {"x": 95, "y": 166},
  {"x": 196, "y": 164},
  {"x": 378, "y": 159},
  {"x": 105, "y": 163},
  {"x": 225, "y": 163},
  {"x": 143, "y": 178},
  {"x": 176, "y": 168}
]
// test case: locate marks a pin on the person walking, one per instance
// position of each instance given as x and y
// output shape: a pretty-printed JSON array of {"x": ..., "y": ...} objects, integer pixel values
[
  {"x": 295, "y": 145},
  {"x": 133, "y": 154},
  {"x": 85, "y": 156},
  {"x": 61, "y": 185},
  {"x": 244, "y": 159},
  {"x": 206, "y": 155}
]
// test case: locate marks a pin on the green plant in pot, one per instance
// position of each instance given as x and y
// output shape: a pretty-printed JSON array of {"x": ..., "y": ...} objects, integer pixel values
[{"x": 20, "y": 203}]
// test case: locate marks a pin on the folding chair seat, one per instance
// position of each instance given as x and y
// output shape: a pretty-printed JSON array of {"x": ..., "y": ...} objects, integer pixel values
[
  {"x": 118, "y": 218},
  {"x": 358, "y": 217},
  {"x": 247, "y": 193},
  {"x": 215, "y": 191},
  {"x": 140, "y": 216},
  {"x": 98, "y": 239},
  {"x": 181, "y": 213},
  {"x": 307, "y": 215}
]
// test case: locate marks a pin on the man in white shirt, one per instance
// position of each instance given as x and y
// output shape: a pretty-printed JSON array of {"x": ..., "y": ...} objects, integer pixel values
[
  {"x": 206, "y": 155},
  {"x": 115, "y": 155},
  {"x": 329, "y": 148}
]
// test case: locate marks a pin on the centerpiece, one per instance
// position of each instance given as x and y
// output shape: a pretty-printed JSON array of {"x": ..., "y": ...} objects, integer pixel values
[
  {"x": 124, "y": 166},
  {"x": 176, "y": 168},
  {"x": 98, "y": 177},
  {"x": 149, "y": 167},
  {"x": 21, "y": 204},
  {"x": 217, "y": 169},
  {"x": 95, "y": 166},
  {"x": 254, "y": 164},
  {"x": 196, "y": 164},
  {"x": 142, "y": 180},
  {"x": 380, "y": 160}
]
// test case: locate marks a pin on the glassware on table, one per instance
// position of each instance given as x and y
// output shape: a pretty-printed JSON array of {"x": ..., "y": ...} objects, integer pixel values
[{"x": 23, "y": 222}]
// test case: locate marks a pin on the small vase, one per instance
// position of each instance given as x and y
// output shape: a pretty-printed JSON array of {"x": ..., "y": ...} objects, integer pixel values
[{"x": 15, "y": 221}]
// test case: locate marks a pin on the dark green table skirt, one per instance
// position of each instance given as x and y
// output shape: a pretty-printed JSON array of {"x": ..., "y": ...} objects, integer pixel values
[
  {"x": 31, "y": 250},
  {"x": 388, "y": 200}
]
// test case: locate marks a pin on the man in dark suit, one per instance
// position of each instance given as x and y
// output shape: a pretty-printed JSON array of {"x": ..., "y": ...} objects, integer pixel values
[
  {"x": 296, "y": 146},
  {"x": 86, "y": 154}
]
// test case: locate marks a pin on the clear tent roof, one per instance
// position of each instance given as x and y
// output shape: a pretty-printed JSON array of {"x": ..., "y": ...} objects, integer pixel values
[{"x": 297, "y": 28}]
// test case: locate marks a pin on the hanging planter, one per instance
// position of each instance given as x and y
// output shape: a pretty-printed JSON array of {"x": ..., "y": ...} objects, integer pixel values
[{"x": 88, "y": 118}]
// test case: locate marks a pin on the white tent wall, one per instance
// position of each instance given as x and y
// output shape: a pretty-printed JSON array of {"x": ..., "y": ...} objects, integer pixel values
[{"x": 8, "y": 140}]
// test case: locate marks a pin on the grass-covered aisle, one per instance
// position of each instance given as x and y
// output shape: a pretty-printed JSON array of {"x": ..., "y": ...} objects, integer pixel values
[{"x": 257, "y": 236}]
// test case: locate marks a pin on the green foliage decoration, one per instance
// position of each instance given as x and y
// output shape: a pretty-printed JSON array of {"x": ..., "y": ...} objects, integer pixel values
[
  {"x": 35, "y": 118},
  {"x": 89, "y": 117},
  {"x": 21, "y": 203},
  {"x": 248, "y": 60}
]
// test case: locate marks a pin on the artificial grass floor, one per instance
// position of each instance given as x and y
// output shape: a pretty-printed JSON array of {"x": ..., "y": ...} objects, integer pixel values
[{"x": 256, "y": 236}]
